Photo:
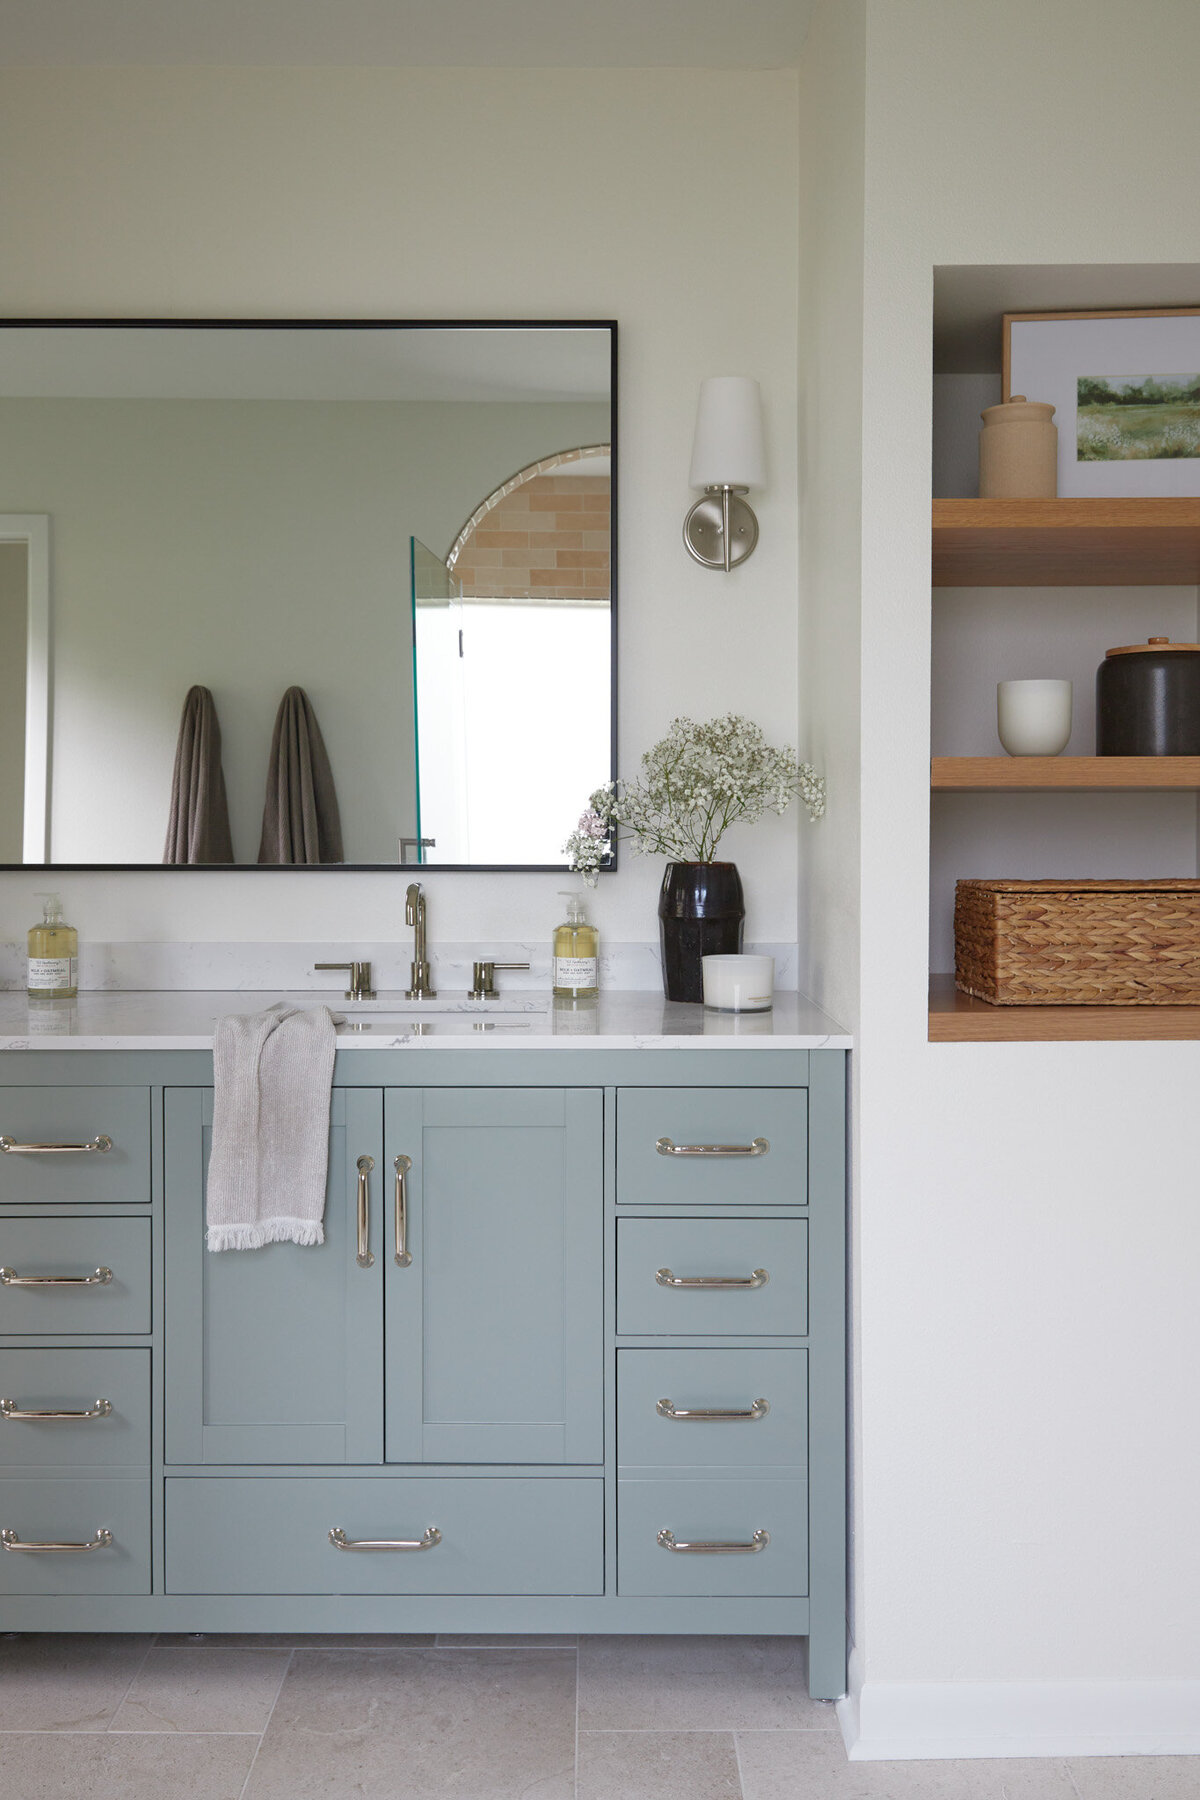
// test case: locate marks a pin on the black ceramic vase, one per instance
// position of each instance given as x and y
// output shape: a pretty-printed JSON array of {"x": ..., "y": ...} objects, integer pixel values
[{"x": 701, "y": 913}]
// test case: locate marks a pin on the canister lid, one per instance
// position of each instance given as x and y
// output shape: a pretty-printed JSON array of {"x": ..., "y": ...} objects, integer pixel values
[
  {"x": 1150, "y": 647},
  {"x": 1018, "y": 410}
]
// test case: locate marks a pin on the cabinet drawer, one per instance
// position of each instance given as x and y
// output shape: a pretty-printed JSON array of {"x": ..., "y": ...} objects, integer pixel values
[
  {"x": 724, "y": 1381},
  {"x": 712, "y": 1512},
  {"x": 73, "y": 1248},
  {"x": 264, "y": 1536},
  {"x": 83, "y": 1115},
  {"x": 76, "y": 1512},
  {"x": 75, "y": 1381},
  {"x": 712, "y": 1250},
  {"x": 691, "y": 1146}
]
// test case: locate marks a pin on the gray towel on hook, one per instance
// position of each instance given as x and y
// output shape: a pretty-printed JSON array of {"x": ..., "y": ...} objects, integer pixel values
[
  {"x": 267, "y": 1173},
  {"x": 198, "y": 829},
  {"x": 301, "y": 822}
]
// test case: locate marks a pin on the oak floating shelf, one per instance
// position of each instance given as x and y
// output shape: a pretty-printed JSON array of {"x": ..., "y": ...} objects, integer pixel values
[
  {"x": 977, "y": 774},
  {"x": 1066, "y": 543},
  {"x": 956, "y": 1018}
]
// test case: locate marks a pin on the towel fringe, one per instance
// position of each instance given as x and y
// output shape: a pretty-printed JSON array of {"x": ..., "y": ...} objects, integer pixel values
[{"x": 281, "y": 1230}]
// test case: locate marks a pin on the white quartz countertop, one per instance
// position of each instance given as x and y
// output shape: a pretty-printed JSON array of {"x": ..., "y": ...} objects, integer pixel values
[{"x": 186, "y": 1019}]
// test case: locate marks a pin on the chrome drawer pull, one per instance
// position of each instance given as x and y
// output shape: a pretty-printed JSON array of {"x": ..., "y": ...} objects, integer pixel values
[
  {"x": 365, "y": 1256},
  {"x": 665, "y": 1278},
  {"x": 759, "y": 1541},
  {"x": 101, "y": 1541},
  {"x": 9, "y": 1409},
  {"x": 665, "y": 1147},
  {"x": 98, "y": 1278},
  {"x": 429, "y": 1541},
  {"x": 666, "y": 1409},
  {"x": 403, "y": 1256},
  {"x": 100, "y": 1144}
]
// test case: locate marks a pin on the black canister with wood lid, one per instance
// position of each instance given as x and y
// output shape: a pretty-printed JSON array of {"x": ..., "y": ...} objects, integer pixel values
[{"x": 1148, "y": 700}]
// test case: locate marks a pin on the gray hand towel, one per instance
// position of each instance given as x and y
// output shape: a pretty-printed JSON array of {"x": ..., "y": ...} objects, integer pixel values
[
  {"x": 301, "y": 822},
  {"x": 198, "y": 831},
  {"x": 270, "y": 1142}
]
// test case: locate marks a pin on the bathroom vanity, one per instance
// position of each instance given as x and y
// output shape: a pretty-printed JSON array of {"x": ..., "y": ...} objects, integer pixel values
[{"x": 571, "y": 1356}]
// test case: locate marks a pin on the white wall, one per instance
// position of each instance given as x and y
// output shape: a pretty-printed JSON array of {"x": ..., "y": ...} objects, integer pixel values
[
  {"x": 247, "y": 545},
  {"x": 1027, "y": 1229},
  {"x": 522, "y": 194},
  {"x": 832, "y": 120}
]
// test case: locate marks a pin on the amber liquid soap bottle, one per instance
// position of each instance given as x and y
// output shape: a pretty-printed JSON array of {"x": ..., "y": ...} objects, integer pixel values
[
  {"x": 53, "y": 955},
  {"x": 576, "y": 945}
]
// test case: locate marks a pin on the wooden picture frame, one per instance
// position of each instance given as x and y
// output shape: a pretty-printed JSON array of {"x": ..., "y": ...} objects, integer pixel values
[{"x": 1124, "y": 448}]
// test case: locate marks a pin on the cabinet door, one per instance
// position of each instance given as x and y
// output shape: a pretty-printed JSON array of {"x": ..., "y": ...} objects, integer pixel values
[
  {"x": 495, "y": 1329},
  {"x": 274, "y": 1355}
]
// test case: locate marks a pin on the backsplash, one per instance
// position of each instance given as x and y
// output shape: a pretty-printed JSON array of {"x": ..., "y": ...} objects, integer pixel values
[{"x": 289, "y": 966}]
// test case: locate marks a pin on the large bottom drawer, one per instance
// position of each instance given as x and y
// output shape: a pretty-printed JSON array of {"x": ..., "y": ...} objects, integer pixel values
[
  {"x": 76, "y": 1513},
  {"x": 653, "y": 1516},
  {"x": 252, "y": 1535}
]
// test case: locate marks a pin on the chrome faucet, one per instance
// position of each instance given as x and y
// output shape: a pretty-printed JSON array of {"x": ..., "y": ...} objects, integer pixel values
[{"x": 414, "y": 915}]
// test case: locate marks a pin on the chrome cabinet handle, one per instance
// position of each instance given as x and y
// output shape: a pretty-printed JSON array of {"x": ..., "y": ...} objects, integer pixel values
[
  {"x": 403, "y": 1256},
  {"x": 758, "y": 1147},
  {"x": 98, "y": 1278},
  {"x": 98, "y": 1144},
  {"x": 759, "y": 1541},
  {"x": 100, "y": 1541},
  {"x": 365, "y": 1256},
  {"x": 10, "y": 1409},
  {"x": 713, "y": 1415},
  {"x": 430, "y": 1540},
  {"x": 665, "y": 1278}
]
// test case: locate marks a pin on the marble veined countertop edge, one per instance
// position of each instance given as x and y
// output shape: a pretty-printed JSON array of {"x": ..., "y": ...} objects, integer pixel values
[{"x": 616, "y": 1020}]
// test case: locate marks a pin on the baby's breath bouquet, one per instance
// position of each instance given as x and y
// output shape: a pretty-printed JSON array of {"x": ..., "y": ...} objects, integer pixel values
[{"x": 695, "y": 783}]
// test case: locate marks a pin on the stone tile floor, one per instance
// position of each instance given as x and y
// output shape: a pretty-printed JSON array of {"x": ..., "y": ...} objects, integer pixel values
[{"x": 471, "y": 1718}]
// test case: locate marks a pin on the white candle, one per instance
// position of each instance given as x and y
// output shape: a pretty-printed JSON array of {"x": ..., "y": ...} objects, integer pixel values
[
  {"x": 1033, "y": 717},
  {"x": 739, "y": 983}
]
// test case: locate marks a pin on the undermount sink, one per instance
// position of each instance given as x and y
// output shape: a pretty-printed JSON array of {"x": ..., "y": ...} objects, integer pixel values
[{"x": 402, "y": 1011}]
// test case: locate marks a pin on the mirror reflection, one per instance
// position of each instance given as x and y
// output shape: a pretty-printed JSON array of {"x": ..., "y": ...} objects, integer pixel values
[{"x": 311, "y": 595}]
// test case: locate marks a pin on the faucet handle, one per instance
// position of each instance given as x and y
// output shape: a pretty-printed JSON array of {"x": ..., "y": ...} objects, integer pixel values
[
  {"x": 485, "y": 978},
  {"x": 360, "y": 979}
]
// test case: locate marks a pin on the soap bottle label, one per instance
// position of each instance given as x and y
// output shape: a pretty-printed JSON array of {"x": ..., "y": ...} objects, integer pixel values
[
  {"x": 49, "y": 973},
  {"x": 574, "y": 972}
]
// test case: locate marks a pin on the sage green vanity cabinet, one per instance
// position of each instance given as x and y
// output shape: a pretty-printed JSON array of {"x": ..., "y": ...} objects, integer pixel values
[
  {"x": 495, "y": 1330},
  {"x": 484, "y": 1344},
  {"x": 570, "y": 1357},
  {"x": 273, "y": 1355}
]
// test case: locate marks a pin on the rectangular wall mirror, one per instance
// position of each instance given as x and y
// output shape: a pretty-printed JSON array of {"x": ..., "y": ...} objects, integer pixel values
[{"x": 304, "y": 594}]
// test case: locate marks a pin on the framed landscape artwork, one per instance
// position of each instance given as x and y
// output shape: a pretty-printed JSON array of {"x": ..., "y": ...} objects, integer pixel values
[{"x": 1126, "y": 391}]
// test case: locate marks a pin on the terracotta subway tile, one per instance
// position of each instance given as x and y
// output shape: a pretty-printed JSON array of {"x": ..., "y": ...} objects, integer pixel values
[
  {"x": 543, "y": 502},
  {"x": 502, "y": 540},
  {"x": 580, "y": 559}
]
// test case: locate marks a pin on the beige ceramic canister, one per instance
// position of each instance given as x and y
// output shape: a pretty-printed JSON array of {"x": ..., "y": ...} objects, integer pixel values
[{"x": 1018, "y": 451}]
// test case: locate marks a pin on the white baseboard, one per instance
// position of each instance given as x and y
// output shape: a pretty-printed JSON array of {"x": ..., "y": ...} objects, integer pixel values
[{"x": 900, "y": 1720}]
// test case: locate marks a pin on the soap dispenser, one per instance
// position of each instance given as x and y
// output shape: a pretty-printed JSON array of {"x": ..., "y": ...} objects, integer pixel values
[
  {"x": 53, "y": 954},
  {"x": 576, "y": 944}
]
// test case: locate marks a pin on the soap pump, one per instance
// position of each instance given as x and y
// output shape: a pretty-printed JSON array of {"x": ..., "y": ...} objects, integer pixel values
[
  {"x": 53, "y": 954},
  {"x": 576, "y": 944}
]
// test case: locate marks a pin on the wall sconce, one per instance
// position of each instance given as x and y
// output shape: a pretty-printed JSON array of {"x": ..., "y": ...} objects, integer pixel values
[{"x": 727, "y": 458}]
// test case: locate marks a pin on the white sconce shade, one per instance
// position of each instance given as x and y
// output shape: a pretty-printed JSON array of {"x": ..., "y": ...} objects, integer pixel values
[{"x": 727, "y": 450}]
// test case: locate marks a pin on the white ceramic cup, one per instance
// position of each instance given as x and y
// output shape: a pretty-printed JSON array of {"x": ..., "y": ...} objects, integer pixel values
[
  {"x": 1033, "y": 717},
  {"x": 739, "y": 983}
]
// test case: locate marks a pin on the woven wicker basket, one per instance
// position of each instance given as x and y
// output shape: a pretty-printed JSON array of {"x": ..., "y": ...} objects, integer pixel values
[{"x": 1078, "y": 943}]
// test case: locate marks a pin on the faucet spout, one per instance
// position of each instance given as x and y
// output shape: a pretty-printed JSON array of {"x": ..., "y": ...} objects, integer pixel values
[{"x": 414, "y": 914}]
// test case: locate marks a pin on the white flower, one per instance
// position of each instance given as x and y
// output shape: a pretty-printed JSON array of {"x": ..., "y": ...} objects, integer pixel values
[{"x": 695, "y": 783}]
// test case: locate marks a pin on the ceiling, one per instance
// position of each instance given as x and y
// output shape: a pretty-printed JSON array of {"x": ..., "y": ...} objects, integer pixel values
[{"x": 748, "y": 34}]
